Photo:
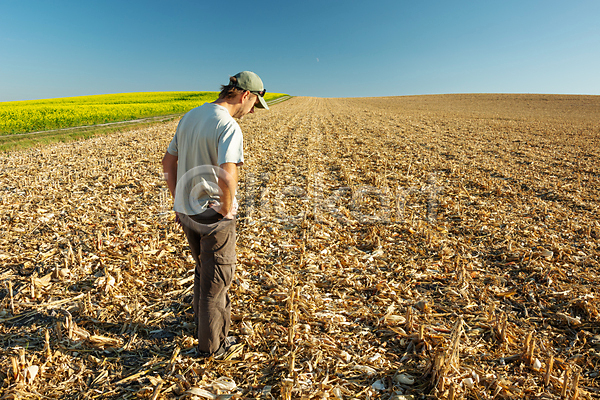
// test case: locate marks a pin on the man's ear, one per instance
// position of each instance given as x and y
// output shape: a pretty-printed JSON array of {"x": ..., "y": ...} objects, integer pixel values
[{"x": 245, "y": 96}]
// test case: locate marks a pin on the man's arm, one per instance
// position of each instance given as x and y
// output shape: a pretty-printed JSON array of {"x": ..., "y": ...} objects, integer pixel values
[
  {"x": 228, "y": 181},
  {"x": 169, "y": 163}
]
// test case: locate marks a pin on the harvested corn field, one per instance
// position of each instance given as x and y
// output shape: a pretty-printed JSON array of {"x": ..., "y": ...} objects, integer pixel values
[{"x": 388, "y": 248}]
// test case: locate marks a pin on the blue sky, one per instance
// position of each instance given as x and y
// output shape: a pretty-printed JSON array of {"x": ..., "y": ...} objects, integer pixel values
[{"x": 319, "y": 48}]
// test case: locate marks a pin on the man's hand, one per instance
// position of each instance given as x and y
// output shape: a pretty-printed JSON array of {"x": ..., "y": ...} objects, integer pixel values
[{"x": 218, "y": 207}]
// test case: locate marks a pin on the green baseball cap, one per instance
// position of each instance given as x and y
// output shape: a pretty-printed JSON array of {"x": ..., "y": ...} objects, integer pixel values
[{"x": 247, "y": 80}]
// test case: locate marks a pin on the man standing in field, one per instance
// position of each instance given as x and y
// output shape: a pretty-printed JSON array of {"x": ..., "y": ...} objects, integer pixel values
[{"x": 200, "y": 167}]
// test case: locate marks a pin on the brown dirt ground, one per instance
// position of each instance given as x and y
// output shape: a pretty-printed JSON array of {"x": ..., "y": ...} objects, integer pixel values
[{"x": 401, "y": 247}]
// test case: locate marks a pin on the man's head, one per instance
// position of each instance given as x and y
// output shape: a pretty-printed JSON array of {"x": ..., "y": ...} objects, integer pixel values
[{"x": 243, "y": 82}]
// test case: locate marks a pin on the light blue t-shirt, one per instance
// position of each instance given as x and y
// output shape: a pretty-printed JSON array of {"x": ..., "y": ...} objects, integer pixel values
[{"x": 206, "y": 137}]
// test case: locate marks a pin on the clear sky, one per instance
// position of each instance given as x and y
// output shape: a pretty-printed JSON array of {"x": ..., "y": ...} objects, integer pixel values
[{"x": 321, "y": 48}]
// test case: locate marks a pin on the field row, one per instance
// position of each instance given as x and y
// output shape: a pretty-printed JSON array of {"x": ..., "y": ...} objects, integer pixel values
[{"x": 397, "y": 248}]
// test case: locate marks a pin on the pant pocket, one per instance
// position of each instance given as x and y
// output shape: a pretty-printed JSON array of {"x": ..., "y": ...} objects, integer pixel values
[
  {"x": 225, "y": 259},
  {"x": 225, "y": 267}
]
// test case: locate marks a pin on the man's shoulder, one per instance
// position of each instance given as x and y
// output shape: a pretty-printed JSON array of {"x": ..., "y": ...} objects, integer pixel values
[
  {"x": 207, "y": 118},
  {"x": 206, "y": 112},
  {"x": 204, "y": 108},
  {"x": 212, "y": 110},
  {"x": 225, "y": 120}
]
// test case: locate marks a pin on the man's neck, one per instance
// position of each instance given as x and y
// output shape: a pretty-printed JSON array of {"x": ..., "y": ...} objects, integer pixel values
[{"x": 231, "y": 107}]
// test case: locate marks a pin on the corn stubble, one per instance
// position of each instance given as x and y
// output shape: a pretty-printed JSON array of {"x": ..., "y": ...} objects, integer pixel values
[{"x": 444, "y": 246}]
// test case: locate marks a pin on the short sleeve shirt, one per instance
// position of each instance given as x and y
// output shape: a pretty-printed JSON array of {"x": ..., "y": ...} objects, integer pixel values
[{"x": 206, "y": 137}]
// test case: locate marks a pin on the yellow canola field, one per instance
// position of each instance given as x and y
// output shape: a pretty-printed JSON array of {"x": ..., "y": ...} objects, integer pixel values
[{"x": 41, "y": 115}]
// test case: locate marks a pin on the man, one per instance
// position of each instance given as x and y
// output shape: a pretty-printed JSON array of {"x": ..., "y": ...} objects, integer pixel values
[{"x": 200, "y": 167}]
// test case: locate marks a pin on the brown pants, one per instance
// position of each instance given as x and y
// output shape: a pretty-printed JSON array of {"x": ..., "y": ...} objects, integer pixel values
[{"x": 212, "y": 244}]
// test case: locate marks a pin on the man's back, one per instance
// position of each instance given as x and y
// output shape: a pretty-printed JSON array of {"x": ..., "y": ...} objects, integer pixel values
[{"x": 206, "y": 136}]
